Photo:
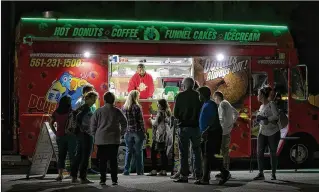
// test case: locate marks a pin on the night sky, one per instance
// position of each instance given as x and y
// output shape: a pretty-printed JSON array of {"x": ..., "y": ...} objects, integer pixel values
[{"x": 301, "y": 17}]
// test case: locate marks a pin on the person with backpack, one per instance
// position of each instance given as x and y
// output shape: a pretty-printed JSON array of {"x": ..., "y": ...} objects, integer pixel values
[
  {"x": 66, "y": 142},
  {"x": 269, "y": 132},
  {"x": 84, "y": 141},
  {"x": 161, "y": 128}
]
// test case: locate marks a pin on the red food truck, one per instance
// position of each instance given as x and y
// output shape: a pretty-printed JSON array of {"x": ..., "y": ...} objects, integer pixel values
[{"x": 56, "y": 57}]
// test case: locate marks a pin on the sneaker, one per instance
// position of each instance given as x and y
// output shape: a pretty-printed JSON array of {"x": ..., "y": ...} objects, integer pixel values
[
  {"x": 192, "y": 177},
  {"x": 114, "y": 183},
  {"x": 219, "y": 175},
  {"x": 201, "y": 182},
  {"x": 176, "y": 176},
  {"x": 273, "y": 177},
  {"x": 86, "y": 181},
  {"x": 225, "y": 177},
  {"x": 181, "y": 180},
  {"x": 152, "y": 173},
  {"x": 260, "y": 176},
  {"x": 163, "y": 173},
  {"x": 59, "y": 178},
  {"x": 102, "y": 183},
  {"x": 75, "y": 180}
]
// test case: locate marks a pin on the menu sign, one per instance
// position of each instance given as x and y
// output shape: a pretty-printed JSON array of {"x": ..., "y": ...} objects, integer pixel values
[
  {"x": 150, "y": 31},
  {"x": 46, "y": 148}
]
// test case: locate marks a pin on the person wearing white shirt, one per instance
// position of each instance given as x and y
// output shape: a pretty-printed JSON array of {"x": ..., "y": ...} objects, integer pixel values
[
  {"x": 227, "y": 116},
  {"x": 269, "y": 132}
]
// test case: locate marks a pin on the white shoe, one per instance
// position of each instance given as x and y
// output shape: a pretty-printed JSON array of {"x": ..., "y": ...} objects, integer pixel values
[
  {"x": 152, "y": 173},
  {"x": 162, "y": 173}
]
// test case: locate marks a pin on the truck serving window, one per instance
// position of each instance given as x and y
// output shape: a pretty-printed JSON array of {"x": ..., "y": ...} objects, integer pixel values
[
  {"x": 167, "y": 73},
  {"x": 281, "y": 81},
  {"x": 299, "y": 82}
]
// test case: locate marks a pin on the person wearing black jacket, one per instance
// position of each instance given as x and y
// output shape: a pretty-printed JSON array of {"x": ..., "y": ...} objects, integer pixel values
[{"x": 186, "y": 111}]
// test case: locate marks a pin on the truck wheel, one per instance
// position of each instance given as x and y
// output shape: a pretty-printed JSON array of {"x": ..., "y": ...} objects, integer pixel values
[{"x": 304, "y": 157}]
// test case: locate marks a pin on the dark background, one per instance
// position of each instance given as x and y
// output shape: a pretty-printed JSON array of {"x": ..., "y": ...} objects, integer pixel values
[{"x": 301, "y": 17}]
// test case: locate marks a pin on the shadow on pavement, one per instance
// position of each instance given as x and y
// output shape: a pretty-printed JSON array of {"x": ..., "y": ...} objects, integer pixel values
[
  {"x": 34, "y": 179},
  {"x": 302, "y": 186},
  {"x": 38, "y": 186},
  {"x": 66, "y": 187}
]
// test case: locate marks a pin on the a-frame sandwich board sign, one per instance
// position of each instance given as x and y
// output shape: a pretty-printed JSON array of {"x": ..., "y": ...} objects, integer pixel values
[{"x": 45, "y": 149}]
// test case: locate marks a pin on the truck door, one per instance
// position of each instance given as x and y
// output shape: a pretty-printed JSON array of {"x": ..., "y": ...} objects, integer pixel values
[
  {"x": 258, "y": 80},
  {"x": 303, "y": 120}
]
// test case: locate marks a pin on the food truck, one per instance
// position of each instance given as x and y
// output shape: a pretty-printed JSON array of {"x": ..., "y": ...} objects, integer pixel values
[{"x": 58, "y": 56}]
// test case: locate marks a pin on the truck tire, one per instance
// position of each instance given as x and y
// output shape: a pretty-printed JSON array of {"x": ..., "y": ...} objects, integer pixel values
[{"x": 305, "y": 155}]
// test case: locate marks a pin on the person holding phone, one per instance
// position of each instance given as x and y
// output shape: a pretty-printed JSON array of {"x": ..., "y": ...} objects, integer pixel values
[{"x": 269, "y": 132}]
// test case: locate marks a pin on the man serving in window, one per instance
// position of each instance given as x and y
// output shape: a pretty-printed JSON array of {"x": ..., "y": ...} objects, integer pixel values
[{"x": 142, "y": 82}]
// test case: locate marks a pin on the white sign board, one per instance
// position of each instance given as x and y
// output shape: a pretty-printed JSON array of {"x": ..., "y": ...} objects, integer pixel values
[{"x": 46, "y": 148}]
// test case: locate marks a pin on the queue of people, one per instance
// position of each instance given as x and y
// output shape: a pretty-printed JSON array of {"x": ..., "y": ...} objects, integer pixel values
[{"x": 204, "y": 123}]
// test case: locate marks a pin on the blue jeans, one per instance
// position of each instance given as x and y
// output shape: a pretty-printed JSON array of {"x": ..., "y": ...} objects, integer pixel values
[
  {"x": 134, "y": 141},
  {"x": 187, "y": 134}
]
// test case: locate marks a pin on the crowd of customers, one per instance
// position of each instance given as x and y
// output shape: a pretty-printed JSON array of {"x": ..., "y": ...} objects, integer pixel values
[{"x": 204, "y": 124}]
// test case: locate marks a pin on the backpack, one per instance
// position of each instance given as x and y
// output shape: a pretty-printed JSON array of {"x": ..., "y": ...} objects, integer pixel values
[{"x": 170, "y": 134}]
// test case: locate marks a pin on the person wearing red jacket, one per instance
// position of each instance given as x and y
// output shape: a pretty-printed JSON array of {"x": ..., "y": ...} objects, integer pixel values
[{"x": 142, "y": 82}]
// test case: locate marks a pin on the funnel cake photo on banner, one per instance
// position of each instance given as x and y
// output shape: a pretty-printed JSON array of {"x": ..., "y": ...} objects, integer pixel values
[{"x": 229, "y": 76}]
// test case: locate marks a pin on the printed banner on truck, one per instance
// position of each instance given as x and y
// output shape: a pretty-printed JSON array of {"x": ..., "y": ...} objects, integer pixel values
[
  {"x": 151, "y": 30},
  {"x": 45, "y": 78},
  {"x": 230, "y": 76}
]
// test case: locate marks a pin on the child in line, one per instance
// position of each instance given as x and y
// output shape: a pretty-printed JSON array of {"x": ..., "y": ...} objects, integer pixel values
[{"x": 160, "y": 127}]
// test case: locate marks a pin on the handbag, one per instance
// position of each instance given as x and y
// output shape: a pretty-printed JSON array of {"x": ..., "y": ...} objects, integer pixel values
[{"x": 282, "y": 119}]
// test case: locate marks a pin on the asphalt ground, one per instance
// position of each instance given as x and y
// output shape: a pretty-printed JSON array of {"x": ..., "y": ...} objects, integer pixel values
[{"x": 287, "y": 180}]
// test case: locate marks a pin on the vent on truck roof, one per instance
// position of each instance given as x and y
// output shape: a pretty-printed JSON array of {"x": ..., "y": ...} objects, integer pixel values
[{"x": 51, "y": 14}]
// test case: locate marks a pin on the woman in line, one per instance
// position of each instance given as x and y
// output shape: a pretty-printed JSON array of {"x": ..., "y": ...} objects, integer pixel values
[
  {"x": 66, "y": 142},
  {"x": 135, "y": 133},
  {"x": 269, "y": 132},
  {"x": 160, "y": 127}
]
